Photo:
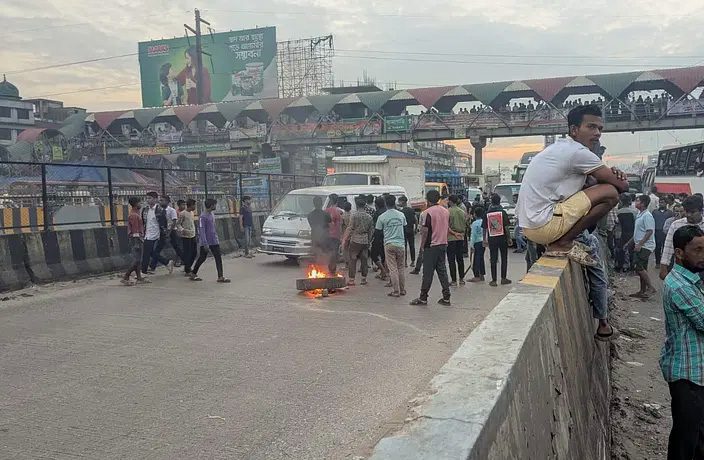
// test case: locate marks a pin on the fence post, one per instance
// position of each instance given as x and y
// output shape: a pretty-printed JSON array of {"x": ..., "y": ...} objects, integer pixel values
[
  {"x": 45, "y": 199},
  {"x": 271, "y": 204},
  {"x": 111, "y": 200},
  {"x": 205, "y": 183},
  {"x": 163, "y": 182},
  {"x": 294, "y": 182}
]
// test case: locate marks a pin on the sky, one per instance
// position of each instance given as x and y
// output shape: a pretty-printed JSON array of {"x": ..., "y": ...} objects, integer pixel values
[{"x": 412, "y": 43}]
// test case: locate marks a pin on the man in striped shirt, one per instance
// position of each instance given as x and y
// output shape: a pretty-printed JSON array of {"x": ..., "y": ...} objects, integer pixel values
[
  {"x": 693, "y": 216},
  {"x": 682, "y": 357}
]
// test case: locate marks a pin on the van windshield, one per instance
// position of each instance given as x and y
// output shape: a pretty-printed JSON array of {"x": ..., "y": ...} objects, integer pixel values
[
  {"x": 296, "y": 205},
  {"x": 506, "y": 193},
  {"x": 346, "y": 179}
]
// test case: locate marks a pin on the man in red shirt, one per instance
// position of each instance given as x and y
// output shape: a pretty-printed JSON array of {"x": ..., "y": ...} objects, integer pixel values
[
  {"x": 335, "y": 232},
  {"x": 135, "y": 236}
]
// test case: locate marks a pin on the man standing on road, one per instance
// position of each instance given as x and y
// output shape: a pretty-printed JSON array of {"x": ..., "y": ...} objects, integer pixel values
[
  {"x": 319, "y": 222},
  {"x": 247, "y": 224},
  {"x": 335, "y": 235},
  {"x": 644, "y": 240},
  {"x": 692, "y": 206},
  {"x": 187, "y": 227},
  {"x": 661, "y": 214},
  {"x": 409, "y": 232},
  {"x": 626, "y": 220},
  {"x": 171, "y": 218},
  {"x": 433, "y": 240},
  {"x": 392, "y": 224},
  {"x": 654, "y": 199},
  {"x": 554, "y": 207},
  {"x": 496, "y": 238},
  {"x": 356, "y": 240},
  {"x": 455, "y": 241},
  {"x": 155, "y": 224},
  {"x": 682, "y": 357}
]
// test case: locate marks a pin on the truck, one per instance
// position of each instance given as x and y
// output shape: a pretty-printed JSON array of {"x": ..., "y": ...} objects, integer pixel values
[
  {"x": 445, "y": 182},
  {"x": 402, "y": 170}
]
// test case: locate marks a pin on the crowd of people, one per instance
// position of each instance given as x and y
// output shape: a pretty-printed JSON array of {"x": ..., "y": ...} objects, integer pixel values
[
  {"x": 152, "y": 227},
  {"x": 575, "y": 206}
]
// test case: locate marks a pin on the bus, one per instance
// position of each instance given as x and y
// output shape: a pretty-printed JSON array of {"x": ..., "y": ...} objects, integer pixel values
[
  {"x": 680, "y": 169},
  {"x": 519, "y": 170}
]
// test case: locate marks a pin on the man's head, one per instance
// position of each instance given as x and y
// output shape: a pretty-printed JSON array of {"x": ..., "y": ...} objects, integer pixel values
[
  {"x": 332, "y": 200},
  {"x": 478, "y": 212},
  {"x": 370, "y": 199},
  {"x": 662, "y": 204},
  {"x": 693, "y": 209},
  {"x": 190, "y": 204},
  {"x": 247, "y": 200},
  {"x": 390, "y": 201},
  {"x": 642, "y": 202},
  {"x": 135, "y": 201},
  {"x": 360, "y": 201},
  {"x": 454, "y": 200},
  {"x": 164, "y": 201},
  {"x": 678, "y": 210},
  {"x": 181, "y": 205},
  {"x": 347, "y": 206},
  {"x": 585, "y": 124},
  {"x": 210, "y": 204},
  {"x": 688, "y": 242},
  {"x": 152, "y": 198},
  {"x": 403, "y": 201},
  {"x": 495, "y": 199},
  {"x": 433, "y": 196},
  {"x": 318, "y": 202},
  {"x": 653, "y": 189},
  {"x": 380, "y": 202}
]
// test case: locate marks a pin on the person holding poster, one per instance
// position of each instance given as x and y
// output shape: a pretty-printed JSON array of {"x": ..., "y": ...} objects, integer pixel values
[{"x": 496, "y": 238}]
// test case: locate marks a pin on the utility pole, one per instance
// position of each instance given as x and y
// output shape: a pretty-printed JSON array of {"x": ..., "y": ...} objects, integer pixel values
[{"x": 199, "y": 81}]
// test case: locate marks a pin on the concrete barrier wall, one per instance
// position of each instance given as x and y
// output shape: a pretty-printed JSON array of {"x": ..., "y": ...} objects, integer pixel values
[
  {"x": 43, "y": 257},
  {"x": 530, "y": 382}
]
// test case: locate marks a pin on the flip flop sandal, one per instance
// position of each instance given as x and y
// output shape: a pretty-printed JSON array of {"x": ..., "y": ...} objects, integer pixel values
[
  {"x": 224, "y": 280},
  {"x": 556, "y": 254},
  {"x": 583, "y": 247},
  {"x": 196, "y": 278},
  {"x": 614, "y": 334},
  {"x": 393, "y": 294},
  {"x": 581, "y": 257}
]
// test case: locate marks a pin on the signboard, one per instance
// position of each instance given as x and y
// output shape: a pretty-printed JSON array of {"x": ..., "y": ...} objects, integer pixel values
[
  {"x": 159, "y": 150},
  {"x": 397, "y": 124},
  {"x": 242, "y": 65},
  {"x": 347, "y": 128},
  {"x": 197, "y": 148},
  {"x": 171, "y": 137},
  {"x": 57, "y": 153},
  {"x": 685, "y": 107},
  {"x": 269, "y": 165}
]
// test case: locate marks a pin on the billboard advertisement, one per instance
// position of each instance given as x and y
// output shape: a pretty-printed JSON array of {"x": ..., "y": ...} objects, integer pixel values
[{"x": 241, "y": 65}]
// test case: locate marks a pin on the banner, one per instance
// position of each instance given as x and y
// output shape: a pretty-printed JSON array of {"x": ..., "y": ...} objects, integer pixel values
[
  {"x": 348, "y": 128},
  {"x": 253, "y": 132},
  {"x": 172, "y": 137},
  {"x": 241, "y": 65},
  {"x": 686, "y": 107},
  {"x": 57, "y": 153},
  {"x": 198, "y": 148},
  {"x": 160, "y": 150},
  {"x": 269, "y": 165},
  {"x": 397, "y": 124}
]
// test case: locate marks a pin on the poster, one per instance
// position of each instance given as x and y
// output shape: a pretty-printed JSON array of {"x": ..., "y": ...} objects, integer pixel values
[
  {"x": 57, "y": 153},
  {"x": 495, "y": 223},
  {"x": 269, "y": 165},
  {"x": 148, "y": 151},
  {"x": 242, "y": 66}
]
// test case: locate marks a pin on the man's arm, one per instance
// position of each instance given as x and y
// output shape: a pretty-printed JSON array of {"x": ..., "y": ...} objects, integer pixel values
[
  {"x": 647, "y": 236},
  {"x": 423, "y": 236},
  {"x": 604, "y": 175},
  {"x": 689, "y": 301},
  {"x": 667, "y": 252}
]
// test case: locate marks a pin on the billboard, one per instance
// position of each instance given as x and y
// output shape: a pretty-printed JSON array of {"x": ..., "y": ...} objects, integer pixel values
[{"x": 242, "y": 65}]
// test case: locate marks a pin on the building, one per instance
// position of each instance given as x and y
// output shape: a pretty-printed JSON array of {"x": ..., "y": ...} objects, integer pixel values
[
  {"x": 15, "y": 114},
  {"x": 50, "y": 111}
]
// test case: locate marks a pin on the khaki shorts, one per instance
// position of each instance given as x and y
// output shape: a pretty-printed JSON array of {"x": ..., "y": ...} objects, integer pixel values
[{"x": 564, "y": 216}]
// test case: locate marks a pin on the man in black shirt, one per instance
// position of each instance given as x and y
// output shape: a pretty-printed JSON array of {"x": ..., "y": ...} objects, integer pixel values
[
  {"x": 497, "y": 237},
  {"x": 627, "y": 223},
  {"x": 661, "y": 214},
  {"x": 319, "y": 222},
  {"x": 409, "y": 232}
]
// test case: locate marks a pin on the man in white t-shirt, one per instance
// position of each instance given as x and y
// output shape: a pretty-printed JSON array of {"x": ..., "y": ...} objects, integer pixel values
[
  {"x": 554, "y": 206},
  {"x": 654, "y": 199}
]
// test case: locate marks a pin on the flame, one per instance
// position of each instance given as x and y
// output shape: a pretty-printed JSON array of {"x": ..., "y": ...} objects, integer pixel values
[{"x": 316, "y": 272}]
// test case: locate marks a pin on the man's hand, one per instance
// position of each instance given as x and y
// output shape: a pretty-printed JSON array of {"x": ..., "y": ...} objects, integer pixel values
[
  {"x": 664, "y": 270},
  {"x": 486, "y": 243},
  {"x": 619, "y": 174},
  {"x": 638, "y": 247}
]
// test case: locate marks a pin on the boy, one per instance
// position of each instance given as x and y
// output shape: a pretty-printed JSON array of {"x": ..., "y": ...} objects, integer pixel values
[
  {"x": 496, "y": 238},
  {"x": 209, "y": 242},
  {"x": 246, "y": 224},
  {"x": 187, "y": 229},
  {"x": 135, "y": 235},
  {"x": 477, "y": 242},
  {"x": 155, "y": 229}
]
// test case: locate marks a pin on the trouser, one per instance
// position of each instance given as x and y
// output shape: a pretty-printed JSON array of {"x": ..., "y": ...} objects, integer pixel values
[
  {"x": 434, "y": 261},
  {"x": 217, "y": 255},
  {"x": 357, "y": 251},
  {"x": 190, "y": 248},
  {"x": 455, "y": 258},
  {"x": 520, "y": 239},
  {"x": 659, "y": 243},
  {"x": 136, "y": 246},
  {"x": 332, "y": 251},
  {"x": 247, "y": 239},
  {"x": 498, "y": 245},
  {"x": 419, "y": 261},
  {"x": 623, "y": 256},
  {"x": 152, "y": 252},
  {"x": 176, "y": 244},
  {"x": 465, "y": 243},
  {"x": 410, "y": 238},
  {"x": 597, "y": 277},
  {"x": 478, "y": 264},
  {"x": 396, "y": 265},
  {"x": 687, "y": 435}
]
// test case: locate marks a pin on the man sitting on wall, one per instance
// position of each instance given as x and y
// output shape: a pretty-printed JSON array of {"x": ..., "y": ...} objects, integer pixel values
[{"x": 554, "y": 206}]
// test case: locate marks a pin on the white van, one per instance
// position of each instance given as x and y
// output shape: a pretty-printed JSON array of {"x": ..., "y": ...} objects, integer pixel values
[{"x": 286, "y": 231}]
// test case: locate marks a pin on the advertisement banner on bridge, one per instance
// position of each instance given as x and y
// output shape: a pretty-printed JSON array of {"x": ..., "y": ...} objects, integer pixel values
[
  {"x": 397, "y": 124},
  {"x": 686, "y": 107},
  {"x": 348, "y": 128},
  {"x": 242, "y": 65},
  {"x": 146, "y": 151},
  {"x": 197, "y": 148}
]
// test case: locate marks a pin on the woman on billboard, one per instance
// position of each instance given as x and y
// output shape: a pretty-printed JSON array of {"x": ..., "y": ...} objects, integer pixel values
[{"x": 188, "y": 78}]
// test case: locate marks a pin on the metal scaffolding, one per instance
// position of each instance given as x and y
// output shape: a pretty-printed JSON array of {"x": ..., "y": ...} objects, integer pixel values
[{"x": 305, "y": 66}]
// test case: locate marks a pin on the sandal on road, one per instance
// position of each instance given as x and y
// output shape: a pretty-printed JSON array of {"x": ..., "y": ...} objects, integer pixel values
[
  {"x": 418, "y": 302},
  {"x": 607, "y": 337}
]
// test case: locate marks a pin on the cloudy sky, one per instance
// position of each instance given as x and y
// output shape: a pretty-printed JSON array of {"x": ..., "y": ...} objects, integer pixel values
[{"x": 413, "y": 43}]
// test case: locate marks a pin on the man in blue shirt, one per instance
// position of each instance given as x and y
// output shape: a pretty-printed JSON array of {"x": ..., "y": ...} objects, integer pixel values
[
  {"x": 644, "y": 240},
  {"x": 682, "y": 357},
  {"x": 392, "y": 223},
  {"x": 247, "y": 224}
]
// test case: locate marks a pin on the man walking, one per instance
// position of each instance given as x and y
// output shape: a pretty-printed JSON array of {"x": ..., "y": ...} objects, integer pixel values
[
  {"x": 209, "y": 242},
  {"x": 356, "y": 240},
  {"x": 644, "y": 241},
  {"x": 682, "y": 357},
  {"x": 496, "y": 238},
  {"x": 247, "y": 224},
  {"x": 135, "y": 235},
  {"x": 434, "y": 230},
  {"x": 661, "y": 214},
  {"x": 392, "y": 224},
  {"x": 171, "y": 218},
  {"x": 409, "y": 232},
  {"x": 187, "y": 227},
  {"x": 155, "y": 225},
  {"x": 455, "y": 241}
]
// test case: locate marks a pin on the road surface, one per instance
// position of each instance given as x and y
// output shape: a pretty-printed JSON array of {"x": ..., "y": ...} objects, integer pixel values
[{"x": 249, "y": 370}]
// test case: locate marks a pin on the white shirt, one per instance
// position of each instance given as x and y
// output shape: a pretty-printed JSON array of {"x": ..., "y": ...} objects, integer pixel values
[
  {"x": 553, "y": 175},
  {"x": 171, "y": 215},
  {"x": 668, "y": 250},
  {"x": 152, "y": 230},
  {"x": 654, "y": 202}
]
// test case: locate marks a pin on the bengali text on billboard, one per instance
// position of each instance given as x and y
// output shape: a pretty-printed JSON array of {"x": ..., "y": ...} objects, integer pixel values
[{"x": 241, "y": 65}]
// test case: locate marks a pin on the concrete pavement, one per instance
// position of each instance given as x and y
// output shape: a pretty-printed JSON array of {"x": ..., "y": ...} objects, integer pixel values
[{"x": 250, "y": 370}]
